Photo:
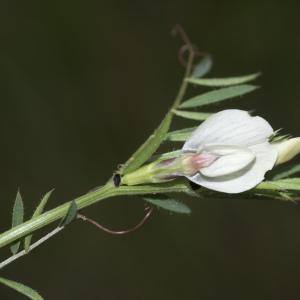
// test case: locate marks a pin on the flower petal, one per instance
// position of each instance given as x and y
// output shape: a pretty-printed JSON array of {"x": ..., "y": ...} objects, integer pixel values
[
  {"x": 230, "y": 127},
  {"x": 232, "y": 159},
  {"x": 244, "y": 179}
]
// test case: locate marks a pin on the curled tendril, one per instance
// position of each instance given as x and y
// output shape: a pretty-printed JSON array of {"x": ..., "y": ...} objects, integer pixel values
[
  {"x": 187, "y": 46},
  {"x": 148, "y": 210}
]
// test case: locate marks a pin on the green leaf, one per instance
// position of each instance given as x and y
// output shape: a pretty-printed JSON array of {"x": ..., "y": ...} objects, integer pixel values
[
  {"x": 39, "y": 210},
  {"x": 70, "y": 216},
  {"x": 290, "y": 170},
  {"x": 17, "y": 219},
  {"x": 286, "y": 196},
  {"x": 169, "y": 204},
  {"x": 288, "y": 184},
  {"x": 203, "y": 67},
  {"x": 274, "y": 194},
  {"x": 199, "y": 116},
  {"x": 149, "y": 147},
  {"x": 292, "y": 184},
  {"x": 218, "y": 95},
  {"x": 222, "y": 81},
  {"x": 180, "y": 135},
  {"x": 279, "y": 138},
  {"x": 21, "y": 288}
]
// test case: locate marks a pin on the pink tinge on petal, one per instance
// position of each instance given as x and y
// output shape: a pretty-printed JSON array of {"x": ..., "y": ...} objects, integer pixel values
[
  {"x": 203, "y": 160},
  {"x": 194, "y": 162}
]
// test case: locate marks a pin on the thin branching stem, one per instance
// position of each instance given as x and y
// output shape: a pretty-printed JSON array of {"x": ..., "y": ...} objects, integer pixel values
[
  {"x": 33, "y": 246},
  {"x": 188, "y": 69}
]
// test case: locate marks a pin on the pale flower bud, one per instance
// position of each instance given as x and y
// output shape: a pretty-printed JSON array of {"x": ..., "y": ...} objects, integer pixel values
[{"x": 287, "y": 149}]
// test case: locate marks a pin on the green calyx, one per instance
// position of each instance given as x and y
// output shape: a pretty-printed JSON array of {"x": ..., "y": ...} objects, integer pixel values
[
  {"x": 159, "y": 171},
  {"x": 155, "y": 172}
]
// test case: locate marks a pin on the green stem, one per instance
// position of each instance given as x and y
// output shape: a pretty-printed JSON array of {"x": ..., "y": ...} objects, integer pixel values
[
  {"x": 33, "y": 246},
  {"x": 185, "y": 83},
  {"x": 107, "y": 191}
]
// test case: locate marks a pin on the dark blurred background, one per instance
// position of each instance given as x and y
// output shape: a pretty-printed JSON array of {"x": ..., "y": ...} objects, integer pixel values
[{"x": 82, "y": 84}]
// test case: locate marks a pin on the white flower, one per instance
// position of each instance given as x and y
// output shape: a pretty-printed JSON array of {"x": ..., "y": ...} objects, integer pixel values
[
  {"x": 240, "y": 145},
  {"x": 230, "y": 152}
]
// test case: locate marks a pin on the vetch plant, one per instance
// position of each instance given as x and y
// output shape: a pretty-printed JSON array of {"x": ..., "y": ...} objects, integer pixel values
[{"x": 230, "y": 152}]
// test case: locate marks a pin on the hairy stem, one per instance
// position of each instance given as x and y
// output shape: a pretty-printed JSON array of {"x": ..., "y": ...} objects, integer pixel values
[{"x": 107, "y": 191}]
